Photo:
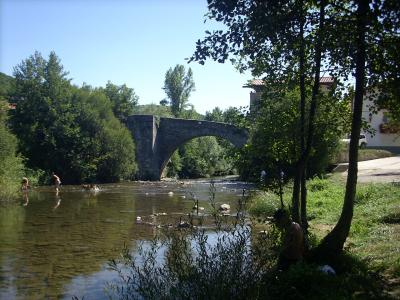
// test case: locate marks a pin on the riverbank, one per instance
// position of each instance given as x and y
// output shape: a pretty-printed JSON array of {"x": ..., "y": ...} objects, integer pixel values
[{"x": 374, "y": 238}]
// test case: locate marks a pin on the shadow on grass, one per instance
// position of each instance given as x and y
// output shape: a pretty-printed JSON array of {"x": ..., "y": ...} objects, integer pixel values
[
  {"x": 235, "y": 267},
  {"x": 353, "y": 280}
]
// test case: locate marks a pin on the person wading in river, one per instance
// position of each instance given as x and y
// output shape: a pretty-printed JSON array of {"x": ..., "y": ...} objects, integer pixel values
[
  {"x": 293, "y": 242},
  {"x": 57, "y": 182},
  {"x": 25, "y": 184}
]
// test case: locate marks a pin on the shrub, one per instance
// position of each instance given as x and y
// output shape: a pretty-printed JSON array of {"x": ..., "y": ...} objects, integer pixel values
[
  {"x": 264, "y": 206},
  {"x": 11, "y": 165},
  {"x": 317, "y": 184},
  {"x": 193, "y": 267}
]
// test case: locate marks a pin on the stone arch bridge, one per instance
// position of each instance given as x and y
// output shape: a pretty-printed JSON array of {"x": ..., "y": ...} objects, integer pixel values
[{"x": 157, "y": 138}]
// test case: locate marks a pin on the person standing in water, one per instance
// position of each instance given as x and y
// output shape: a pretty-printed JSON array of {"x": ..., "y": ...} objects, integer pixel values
[
  {"x": 25, "y": 184},
  {"x": 57, "y": 182}
]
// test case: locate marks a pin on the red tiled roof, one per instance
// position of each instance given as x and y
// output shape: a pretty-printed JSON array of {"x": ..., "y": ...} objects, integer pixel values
[
  {"x": 259, "y": 82},
  {"x": 256, "y": 82},
  {"x": 326, "y": 80}
]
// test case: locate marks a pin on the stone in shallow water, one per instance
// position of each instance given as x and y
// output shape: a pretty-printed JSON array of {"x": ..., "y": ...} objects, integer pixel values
[{"x": 224, "y": 207}]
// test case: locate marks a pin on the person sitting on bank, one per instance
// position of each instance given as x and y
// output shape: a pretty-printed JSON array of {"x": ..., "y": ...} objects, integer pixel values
[
  {"x": 25, "y": 184},
  {"x": 293, "y": 242}
]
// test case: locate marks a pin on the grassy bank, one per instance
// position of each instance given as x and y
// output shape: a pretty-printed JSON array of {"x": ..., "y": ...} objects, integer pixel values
[
  {"x": 374, "y": 239},
  {"x": 239, "y": 262}
]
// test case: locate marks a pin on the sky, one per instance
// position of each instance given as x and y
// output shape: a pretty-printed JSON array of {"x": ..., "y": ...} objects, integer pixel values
[{"x": 132, "y": 42}]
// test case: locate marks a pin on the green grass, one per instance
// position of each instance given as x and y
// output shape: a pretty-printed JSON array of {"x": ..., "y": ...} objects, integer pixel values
[
  {"x": 240, "y": 262},
  {"x": 375, "y": 232}
]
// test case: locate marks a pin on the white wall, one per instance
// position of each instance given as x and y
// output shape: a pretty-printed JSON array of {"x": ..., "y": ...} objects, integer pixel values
[{"x": 379, "y": 139}]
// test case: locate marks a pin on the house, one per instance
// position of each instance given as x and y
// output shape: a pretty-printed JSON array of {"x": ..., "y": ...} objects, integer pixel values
[
  {"x": 257, "y": 89},
  {"x": 385, "y": 135}
]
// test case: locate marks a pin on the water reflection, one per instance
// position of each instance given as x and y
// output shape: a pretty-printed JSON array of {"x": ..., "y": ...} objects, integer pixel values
[
  {"x": 26, "y": 198},
  {"x": 57, "y": 245},
  {"x": 58, "y": 200}
]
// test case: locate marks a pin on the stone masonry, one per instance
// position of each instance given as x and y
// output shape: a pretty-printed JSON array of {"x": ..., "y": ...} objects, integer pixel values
[{"x": 157, "y": 138}]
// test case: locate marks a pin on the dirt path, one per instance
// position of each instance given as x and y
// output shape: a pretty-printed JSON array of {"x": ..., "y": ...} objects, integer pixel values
[{"x": 379, "y": 170}]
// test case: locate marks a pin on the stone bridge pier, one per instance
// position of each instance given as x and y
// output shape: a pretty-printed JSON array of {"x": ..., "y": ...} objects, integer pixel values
[{"x": 157, "y": 138}]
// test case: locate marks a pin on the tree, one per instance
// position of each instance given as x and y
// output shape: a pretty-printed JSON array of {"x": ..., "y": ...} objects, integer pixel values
[
  {"x": 281, "y": 40},
  {"x": 41, "y": 93},
  {"x": 367, "y": 25},
  {"x": 7, "y": 86},
  {"x": 203, "y": 157},
  {"x": 293, "y": 39},
  {"x": 105, "y": 150},
  {"x": 215, "y": 115},
  {"x": 11, "y": 165},
  {"x": 178, "y": 86},
  {"x": 68, "y": 130},
  {"x": 123, "y": 100},
  {"x": 273, "y": 145}
]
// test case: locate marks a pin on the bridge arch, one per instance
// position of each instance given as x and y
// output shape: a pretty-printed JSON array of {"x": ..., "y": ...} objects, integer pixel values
[{"x": 157, "y": 138}]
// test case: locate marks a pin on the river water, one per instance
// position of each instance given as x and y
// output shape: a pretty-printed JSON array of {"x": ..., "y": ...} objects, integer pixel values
[{"x": 58, "y": 246}]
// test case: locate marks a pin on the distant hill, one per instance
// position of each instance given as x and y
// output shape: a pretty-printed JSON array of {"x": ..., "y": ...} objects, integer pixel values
[{"x": 7, "y": 85}]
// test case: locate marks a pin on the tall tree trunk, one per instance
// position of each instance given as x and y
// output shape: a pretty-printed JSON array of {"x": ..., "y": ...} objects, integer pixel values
[
  {"x": 297, "y": 177},
  {"x": 303, "y": 188},
  {"x": 301, "y": 165},
  {"x": 333, "y": 243},
  {"x": 303, "y": 198}
]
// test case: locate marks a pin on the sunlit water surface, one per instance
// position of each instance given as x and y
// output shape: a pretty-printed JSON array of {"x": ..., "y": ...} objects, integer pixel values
[{"x": 56, "y": 247}]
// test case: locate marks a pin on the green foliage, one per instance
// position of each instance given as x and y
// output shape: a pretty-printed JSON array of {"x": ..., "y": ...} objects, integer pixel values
[
  {"x": 192, "y": 268},
  {"x": 274, "y": 141},
  {"x": 178, "y": 86},
  {"x": 153, "y": 109},
  {"x": 234, "y": 263},
  {"x": 216, "y": 115},
  {"x": 203, "y": 157},
  {"x": 7, "y": 86},
  {"x": 68, "y": 130},
  {"x": 123, "y": 99},
  {"x": 305, "y": 281},
  {"x": 317, "y": 184},
  {"x": 11, "y": 165},
  {"x": 174, "y": 166},
  {"x": 374, "y": 235},
  {"x": 264, "y": 205},
  {"x": 234, "y": 116},
  {"x": 105, "y": 148}
]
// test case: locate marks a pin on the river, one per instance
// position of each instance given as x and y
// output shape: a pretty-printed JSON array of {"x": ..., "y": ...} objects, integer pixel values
[{"x": 57, "y": 247}]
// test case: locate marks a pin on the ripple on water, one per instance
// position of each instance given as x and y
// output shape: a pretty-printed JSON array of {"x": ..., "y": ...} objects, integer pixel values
[{"x": 50, "y": 254}]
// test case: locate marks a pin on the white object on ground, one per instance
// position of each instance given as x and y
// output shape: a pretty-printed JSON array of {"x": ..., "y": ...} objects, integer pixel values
[{"x": 327, "y": 269}]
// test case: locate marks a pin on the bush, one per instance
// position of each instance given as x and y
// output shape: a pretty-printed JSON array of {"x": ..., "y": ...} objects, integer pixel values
[
  {"x": 317, "y": 184},
  {"x": 192, "y": 267},
  {"x": 11, "y": 165},
  {"x": 274, "y": 143},
  {"x": 264, "y": 206},
  {"x": 203, "y": 157}
]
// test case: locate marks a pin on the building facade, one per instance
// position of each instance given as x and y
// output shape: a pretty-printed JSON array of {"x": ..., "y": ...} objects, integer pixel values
[{"x": 385, "y": 135}]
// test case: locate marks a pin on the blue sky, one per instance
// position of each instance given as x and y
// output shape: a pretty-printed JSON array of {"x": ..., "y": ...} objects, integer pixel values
[{"x": 132, "y": 42}]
